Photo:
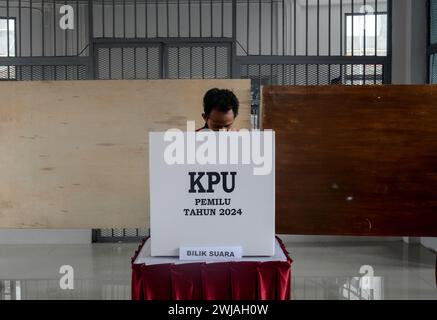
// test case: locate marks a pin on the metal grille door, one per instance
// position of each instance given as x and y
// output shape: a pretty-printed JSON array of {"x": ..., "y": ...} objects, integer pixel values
[
  {"x": 198, "y": 61},
  {"x": 128, "y": 62}
]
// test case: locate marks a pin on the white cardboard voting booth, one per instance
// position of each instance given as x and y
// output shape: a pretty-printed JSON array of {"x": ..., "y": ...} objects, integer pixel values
[{"x": 197, "y": 202}]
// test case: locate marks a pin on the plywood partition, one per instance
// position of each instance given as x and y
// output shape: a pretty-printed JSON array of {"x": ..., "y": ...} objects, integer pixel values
[
  {"x": 354, "y": 160},
  {"x": 74, "y": 154}
]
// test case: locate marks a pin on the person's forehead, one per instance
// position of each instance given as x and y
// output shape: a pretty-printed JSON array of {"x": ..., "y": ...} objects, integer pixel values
[{"x": 223, "y": 118}]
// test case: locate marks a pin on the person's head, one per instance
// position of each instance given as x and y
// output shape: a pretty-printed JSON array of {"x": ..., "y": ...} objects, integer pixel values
[{"x": 220, "y": 108}]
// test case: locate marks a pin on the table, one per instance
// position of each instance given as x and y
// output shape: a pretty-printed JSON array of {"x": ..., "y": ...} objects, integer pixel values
[{"x": 249, "y": 278}]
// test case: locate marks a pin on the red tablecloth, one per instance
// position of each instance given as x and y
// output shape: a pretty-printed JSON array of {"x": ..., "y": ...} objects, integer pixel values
[{"x": 254, "y": 280}]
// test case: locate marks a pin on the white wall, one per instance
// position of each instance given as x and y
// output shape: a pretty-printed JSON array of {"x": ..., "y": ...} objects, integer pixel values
[
  {"x": 409, "y": 42},
  {"x": 410, "y": 60}
]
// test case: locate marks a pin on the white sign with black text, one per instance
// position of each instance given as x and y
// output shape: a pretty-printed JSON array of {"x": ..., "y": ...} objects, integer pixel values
[
  {"x": 212, "y": 189},
  {"x": 210, "y": 253}
]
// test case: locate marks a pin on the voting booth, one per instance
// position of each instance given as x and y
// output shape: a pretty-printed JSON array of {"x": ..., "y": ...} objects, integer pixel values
[
  {"x": 211, "y": 190},
  {"x": 212, "y": 218}
]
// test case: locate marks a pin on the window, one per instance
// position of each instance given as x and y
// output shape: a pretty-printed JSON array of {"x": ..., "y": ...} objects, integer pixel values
[
  {"x": 7, "y": 46},
  {"x": 366, "y": 35}
]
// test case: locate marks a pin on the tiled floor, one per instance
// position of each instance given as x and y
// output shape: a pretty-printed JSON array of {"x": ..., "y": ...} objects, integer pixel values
[{"x": 320, "y": 271}]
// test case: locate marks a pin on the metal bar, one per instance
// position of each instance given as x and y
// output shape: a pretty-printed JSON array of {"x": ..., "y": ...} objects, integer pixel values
[
  {"x": 295, "y": 28},
  {"x": 178, "y": 20},
  {"x": 167, "y": 18},
  {"x": 352, "y": 22},
  {"x": 7, "y": 30},
  {"x": 306, "y": 28},
  {"x": 374, "y": 73},
  {"x": 103, "y": 19},
  {"x": 215, "y": 62},
  {"x": 210, "y": 15},
  {"x": 365, "y": 27},
  {"x": 147, "y": 62},
  {"x": 42, "y": 28},
  {"x": 46, "y": 60},
  {"x": 113, "y": 239},
  {"x": 135, "y": 63},
  {"x": 124, "y": 18},
  {"x": 271, "y": 28},
  {"x": 231, "y": 63},
  {"x": 329, "y": 29},
  {"x": 180, "y": 41},
  {"x": 248, "y": 27},
  {"x": 178, "y": 63},
  {"x": 387, "y": 68},
  {"x": 430, "y": 58},
  {"x": 223, "y": 18},
  {"x": 7, "y": 35},
  {"x": 283, "y": 27},
  {"x": 191, "y": 62},
  {"x": 122, "y": 63},
  {"x": 54, "y": 37},
  {"x": 113, "y": 18},
  {"x": 376, "y": 27},
  {"x": 329, "y": 38},
  {"x": 19, "y": 30},
  {"x": 341, "y": 28},
  {"x": 110, "y": 63},
  {"x": 306, "y": 74},
  {"x": 318, "y": 28},
  {"x": 311, "y": 60},
  {"x": 42, "y": 34},
  {"x": 65, "y": 41},
  {"x": 31, "y": 35},
  {"x": 146, "y": 27},
  {"x": 203, "y": 63},
  {"x": 200, "y": 18},
  {"x": 189, "y": 20},
  {"x": 259, "y": 26},
  {"x": 92, "y": 72},
  {"x": 234, "y": 66},
  {"x": 135, "y": 19},
  {"x": 77, "y": 30},
  {"x": 163, "y": 62}
]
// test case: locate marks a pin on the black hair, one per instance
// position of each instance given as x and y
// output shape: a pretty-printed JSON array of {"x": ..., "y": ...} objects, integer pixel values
[{"x": 221, "y": 99}]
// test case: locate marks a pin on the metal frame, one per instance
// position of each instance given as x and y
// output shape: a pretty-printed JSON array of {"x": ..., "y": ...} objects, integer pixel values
[
  {"x": 432, "y": 47},
  {"x": 163, "y": 44},
  {"x": 97, "y": 237},
  {"x": 357, "y": 14},
  {"x": 15, "y": 43}
]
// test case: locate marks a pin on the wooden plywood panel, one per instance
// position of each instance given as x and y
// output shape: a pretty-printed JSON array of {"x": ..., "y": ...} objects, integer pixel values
[
  {"x": 74, "y": 154},
  {"x": 354, "y": 160}
]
